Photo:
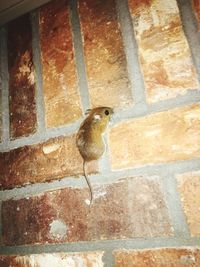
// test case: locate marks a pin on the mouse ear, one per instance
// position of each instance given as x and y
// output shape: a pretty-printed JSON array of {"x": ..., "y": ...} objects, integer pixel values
[{"x": 87, "y": 111}]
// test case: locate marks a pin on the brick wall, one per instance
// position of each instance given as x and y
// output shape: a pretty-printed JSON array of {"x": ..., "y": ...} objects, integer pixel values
[{"x": 140, "y": 57}]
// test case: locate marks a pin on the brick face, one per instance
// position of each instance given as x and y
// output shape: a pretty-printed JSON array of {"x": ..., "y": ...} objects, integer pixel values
[
  {"x": 104, "y": 51},
  {"x": 164, "y": 54},
  {"x": 90, "y": 259},
  {"x": 166, "y": 257},
  {"x": 62, "y": 100},
  {"x": 54, "y": 159},
  {"x": 132, "y": 207},
  {"x": 196, "y": 7},
  {"x": 162, "y": 137},
  {"x": 189, "y": 188},
  {"x": 22, "y": 106}
]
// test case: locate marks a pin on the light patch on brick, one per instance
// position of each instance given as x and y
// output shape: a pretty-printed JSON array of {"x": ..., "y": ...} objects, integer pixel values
[
  {"x": 58, "y": 229},
  {"x": 48, "y": 149},
  {"x": 158, "y": 138},
  {"x": 189, "y": 188},
  {"x": 61, "y": 260},
  {"x": 163, "y": 257},
  {"x": 164, "y": 53}
]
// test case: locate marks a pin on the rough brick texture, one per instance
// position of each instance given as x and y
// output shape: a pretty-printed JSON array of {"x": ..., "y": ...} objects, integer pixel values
[
  {"x": 90, "y": 259},
  {"x": 196, "y": 7},
  {"x": 166, "y": 257},
  {"x": 162, "y": 137},
  {"x": 129, "y": 208},
  {"x": 22, "y": 106},
  {"x": 163, "y": 50},
  {"x": 189, "y": 188},
  {"x": 54, "y": 159},
  {"x": 62, "y": 101},
  {"x": 104, "y": 54}
]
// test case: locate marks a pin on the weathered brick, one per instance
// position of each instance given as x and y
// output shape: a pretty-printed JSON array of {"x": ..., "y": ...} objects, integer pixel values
[
  {"x": 104, "y": 54},
  {"x": 164, "y": 257},
  {"x": 62, "y": 100},
  {"x": 23, "y": 119},
  {"x": 92, "y": 259},
  {"x": 162, "y": 137},
  {"x": 54, "y": 159},
  {"x": 196, "y": 7},
  {"x": 132, "y": 207},
  {"x": 164, "y": 54},
  {"x": 189, "y": 188}
]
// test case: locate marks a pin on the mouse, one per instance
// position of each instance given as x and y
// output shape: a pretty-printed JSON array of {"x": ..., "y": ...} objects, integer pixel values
[{"x": 89, "y": 138}]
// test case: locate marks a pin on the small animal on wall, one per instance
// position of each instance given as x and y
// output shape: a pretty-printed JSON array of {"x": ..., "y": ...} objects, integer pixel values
[{"x": 89, "y": 139}]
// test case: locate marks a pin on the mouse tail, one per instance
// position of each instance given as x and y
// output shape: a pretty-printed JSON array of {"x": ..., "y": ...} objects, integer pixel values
[{"x": 88, "y": 181}]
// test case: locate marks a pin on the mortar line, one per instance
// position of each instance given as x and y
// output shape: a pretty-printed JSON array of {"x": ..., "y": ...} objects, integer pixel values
[
  {"x": 103, "y": 245},
  {"x": 79, "y": 55},
  {"x": 148, "y": 172},
  {"x": 171, "y": 195},
  {"x": 131, "y": 51},
  {"x": 5, "y": 88},
  {"x": 40, "y": 105},
  {"x": 192, "y": 97},
  {"x": 191, "y": 30},
  {"x": 108, "y": 258}
]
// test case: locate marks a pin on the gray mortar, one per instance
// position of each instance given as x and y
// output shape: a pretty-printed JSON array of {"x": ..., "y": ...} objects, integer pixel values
[
  {"x": 4, "y": 83},
  {"x": 131, "y": 50},
  {"x": 79, "y": 55},
  {"x": 105, "y": 245},
  {"x": 192, "y": 31}
]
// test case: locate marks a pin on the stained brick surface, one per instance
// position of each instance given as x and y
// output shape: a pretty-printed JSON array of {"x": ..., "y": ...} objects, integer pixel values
[
  {"x": 189, "y": 188},
  {"x": 21, "y": 78},
  {"x": 62, "y": 101},
  {"x": 163, "y": 50},
  {"x": 129, "y": 208},
  {"x": 50, "y": 160},
  {"x": 104, "y": 54},
  {"x": 90, "y": 259},
  {"x": 166, "y": 257},
  {"x": 162, "y": 137},
  {"x": 196, "y": 7}
]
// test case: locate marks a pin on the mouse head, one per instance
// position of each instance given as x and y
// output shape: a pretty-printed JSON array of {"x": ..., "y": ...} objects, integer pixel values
[{"x": 100, "y": 117}]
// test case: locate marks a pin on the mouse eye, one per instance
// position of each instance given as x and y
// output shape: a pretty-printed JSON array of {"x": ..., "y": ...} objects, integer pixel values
[{"x": 107, "y": 112}]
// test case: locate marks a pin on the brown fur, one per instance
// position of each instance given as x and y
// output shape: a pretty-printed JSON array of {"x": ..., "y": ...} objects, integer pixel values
[{"x": 89, "y": 138}]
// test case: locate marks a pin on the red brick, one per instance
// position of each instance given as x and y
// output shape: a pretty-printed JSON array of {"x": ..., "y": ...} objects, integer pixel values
[
  {"x": 165, "y": 257},
  {"x": 22, "y": 105},
  {"x": 90, "y": 259},
  {"x": 62, "y": 100},
  {"x": 164, "y": 53},
  {"x": 196, "y": 7},
  {"x": 129, "y": 208},
  {"x": 189, "y": 188},
  {"x": 54, "y": 159},
  {"x": 104, "y": 54},
  {"x": 161, "y": 137}
]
